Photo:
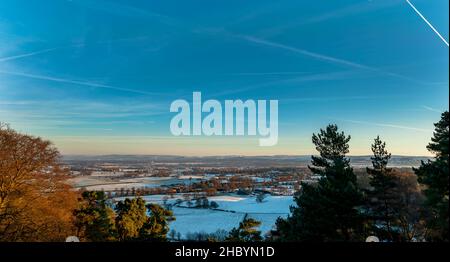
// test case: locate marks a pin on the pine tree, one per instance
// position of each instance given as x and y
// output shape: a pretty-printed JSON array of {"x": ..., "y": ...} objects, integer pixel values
[
  {"x": 328, "y": 210},
  {"x": 382, "y": 198},
  {"x": 131, "y": 216},
  {"x": 246, "y": 232},
  {"x": 156, "y": 226},
  {"x": 94, "y": 218},
  {"x": 434, "y": 175}
]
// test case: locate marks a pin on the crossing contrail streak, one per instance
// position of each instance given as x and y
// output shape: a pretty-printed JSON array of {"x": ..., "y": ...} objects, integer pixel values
[
  {"x": 426, "y": 21},
  {"x": 75, "y": 82},
  {"x": 4, "y": 59}
]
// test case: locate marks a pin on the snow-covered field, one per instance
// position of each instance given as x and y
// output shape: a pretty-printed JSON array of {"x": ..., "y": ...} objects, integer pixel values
[
  {"x": 192, "y": 220},
  {"x": 96, "y": 183},
  {"x": 231, "y": 210},
  {"x": 271, "y": 204}
]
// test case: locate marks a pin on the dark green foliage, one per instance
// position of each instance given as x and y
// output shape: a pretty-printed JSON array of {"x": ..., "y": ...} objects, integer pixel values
[
  {"x": 157, "y": 225},
  {"x": 246, "y": 232},
  {"x": 260, "y": 197},
  {"x": 393, "y": 200},
  {"x": 131, "y": 216},
  {"x": 133, "y": 220},
  {"x": 440, "y": 140},
  {"x": 94, "y": 218},
  {"x": 198, "y": 203},
  {"x": 382, "y": 198},
  {"x": 328, "y": 210},
  {"x": 434, "y": 175},
  {"x": 213, "y": 205},
  {"x": 202, "y": 202},
  {"x": 205, "y": 202}
]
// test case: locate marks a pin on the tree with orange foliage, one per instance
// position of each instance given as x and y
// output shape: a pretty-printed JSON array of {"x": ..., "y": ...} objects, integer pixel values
[{"x": 35, "y": 202}]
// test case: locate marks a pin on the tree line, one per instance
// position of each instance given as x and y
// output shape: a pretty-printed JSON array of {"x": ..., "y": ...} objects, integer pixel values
[
  {"x": 393, "y": 207},
  {"x": 36, "y": 204},
  {"x": 128, "y": 220}
]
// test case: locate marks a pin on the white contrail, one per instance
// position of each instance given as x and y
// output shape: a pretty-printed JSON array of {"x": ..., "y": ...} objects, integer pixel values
[
  {"x": 301, "y": 51},
  {"x": 75, "y": 82},
  {"x": 432, "y": 109},
  {"x": 319, "y": 56},
  {"x": 388, "y": 125},
  {"x": 8, "y": 58},
  {"x": 428, "y": 23}
]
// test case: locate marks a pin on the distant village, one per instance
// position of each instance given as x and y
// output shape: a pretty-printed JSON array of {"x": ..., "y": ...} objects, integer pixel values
[{"x": 122, "y": 179}]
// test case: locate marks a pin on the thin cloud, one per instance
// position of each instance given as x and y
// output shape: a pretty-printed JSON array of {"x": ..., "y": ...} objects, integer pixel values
[
  {"x": 256, "y": 13},
  {"x": 302, "y": 52},
  {"x": 108, "y": 41},
  {"x": 265, "y": 73},
  {"x": 57, "y": 112},
  {"x": 16, "y": 103},
  {"x": 300, "y": 79},
  {"x": 318, "y": 56},
  {"x": 355, "y": 9},
  {"x": 121, "y": 136},
  {"x": 9, "y": 58},
  {"x": 75, "y": 82},
  {"x": 127, "y": 11},
  {"x": 48, "y": 113},
  {"x": 389, "y": 125},
  {"x": 327, "y": 99},
  {"x": 432, "y": 109}
]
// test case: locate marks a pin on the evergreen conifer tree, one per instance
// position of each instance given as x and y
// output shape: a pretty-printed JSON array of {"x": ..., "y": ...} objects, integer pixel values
[
  {"x": 329, "y": 209},
  {"x": 434, "y": 175}
]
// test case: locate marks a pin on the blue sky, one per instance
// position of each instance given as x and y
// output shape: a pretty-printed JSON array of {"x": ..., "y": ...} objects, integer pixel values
[{"x": 98, "y": 77}]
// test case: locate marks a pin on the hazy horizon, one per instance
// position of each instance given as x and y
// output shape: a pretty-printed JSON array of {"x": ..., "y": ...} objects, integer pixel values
[{"x": 200, "y": 156}]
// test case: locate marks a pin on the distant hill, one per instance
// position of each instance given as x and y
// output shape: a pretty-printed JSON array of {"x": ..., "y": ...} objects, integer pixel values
[{"x": 234, "y": 161}]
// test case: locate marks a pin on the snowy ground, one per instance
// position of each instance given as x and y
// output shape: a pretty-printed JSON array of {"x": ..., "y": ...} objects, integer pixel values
[
  {"x": 192, "y": 220},
  {"x": 107, "y": 184},
  {"x": 271, "y": 204}
]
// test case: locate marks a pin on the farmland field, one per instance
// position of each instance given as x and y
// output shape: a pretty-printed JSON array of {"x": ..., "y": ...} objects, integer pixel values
[{"x": 232, "y": 209}]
